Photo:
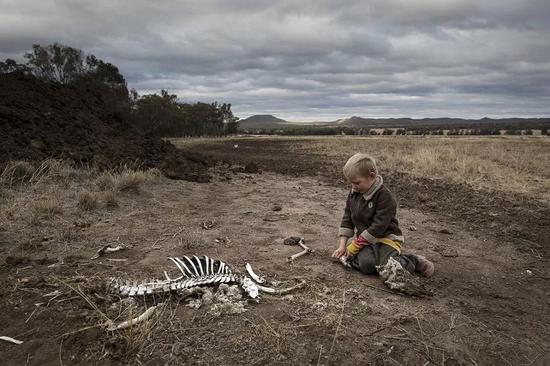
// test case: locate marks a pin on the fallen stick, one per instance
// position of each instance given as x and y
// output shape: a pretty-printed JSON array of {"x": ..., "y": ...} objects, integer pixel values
[
  {"x": 128, "y": 323},
  {"x": 10, "y": 339},
  {"x": 306, "y": 250}
]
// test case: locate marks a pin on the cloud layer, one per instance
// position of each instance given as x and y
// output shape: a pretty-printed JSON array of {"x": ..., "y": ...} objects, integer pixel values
[{"x": 318, "y": 59}]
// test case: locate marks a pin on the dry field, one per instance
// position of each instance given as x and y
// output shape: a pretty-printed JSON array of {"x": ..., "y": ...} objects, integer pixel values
[
  {"x": 478, "y": 207},
  {"x": 506, "y": 164}
]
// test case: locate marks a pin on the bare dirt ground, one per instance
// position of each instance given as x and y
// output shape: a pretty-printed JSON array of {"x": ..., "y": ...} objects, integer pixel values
[{"x": 491, "y": 285}]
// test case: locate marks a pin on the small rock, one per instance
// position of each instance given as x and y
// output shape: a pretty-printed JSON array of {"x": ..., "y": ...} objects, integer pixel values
[
  {"x": 276, "y": 208},
  {"x": 445, "y": 231},
  {"x": 412, "y": 228},
  {"x": 529, "y": 273},
  {"x": 251, "y": 168}
]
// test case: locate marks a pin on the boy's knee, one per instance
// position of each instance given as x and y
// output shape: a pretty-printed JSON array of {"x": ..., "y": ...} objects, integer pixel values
[{"x": 364, "y": 262}]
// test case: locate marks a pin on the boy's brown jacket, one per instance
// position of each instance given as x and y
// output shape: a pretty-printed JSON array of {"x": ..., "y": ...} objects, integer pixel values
[{"x": 372, "y": 215}]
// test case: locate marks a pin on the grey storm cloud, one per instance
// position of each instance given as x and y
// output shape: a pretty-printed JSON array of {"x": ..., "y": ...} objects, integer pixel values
[{"x": 313, "y": 59}]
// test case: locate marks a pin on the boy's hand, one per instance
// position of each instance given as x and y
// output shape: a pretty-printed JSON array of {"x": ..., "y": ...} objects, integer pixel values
[{"x": 341, "y": 251}]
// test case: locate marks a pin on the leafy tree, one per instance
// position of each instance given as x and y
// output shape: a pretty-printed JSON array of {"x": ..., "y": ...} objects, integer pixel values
[
  {"x": 11, "y": 66},
  {"x": 65, "y": 65},
  {"x": 162, "y": 115},
  {"x": 56, "y": 62}
]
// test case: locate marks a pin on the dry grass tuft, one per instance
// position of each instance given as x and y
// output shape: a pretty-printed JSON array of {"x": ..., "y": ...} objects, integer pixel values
[
  {"x": 87, "y": 200},
  {"x": 105, "y": 181},
  {"x": 153, "y": 173},
  {"x": 125, "y": 180},
  {"x": 129, "y": 180},
  {"x": 47, "y": 207},
  {"x": 110, "y": 198},
  {"x": 17, "y": 172}
]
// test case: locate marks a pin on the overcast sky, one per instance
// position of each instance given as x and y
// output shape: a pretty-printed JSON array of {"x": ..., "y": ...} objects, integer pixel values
[{"x": 311, "y": 59}]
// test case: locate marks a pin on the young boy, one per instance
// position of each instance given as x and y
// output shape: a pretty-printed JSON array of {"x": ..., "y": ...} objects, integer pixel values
[{"x": 371, "y": 213}]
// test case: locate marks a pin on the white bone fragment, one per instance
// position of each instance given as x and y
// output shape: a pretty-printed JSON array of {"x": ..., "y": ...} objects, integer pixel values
[
  {"x": 107, "y": 249},
  {"x": 193, "y": 265},
  {"x": 250, "y": 287},
  {"x": 221, "y": 268},
  {"x": 10, "y": 339},
  {"x": 211, "y": 266},
  {"x": 191, "y": 274},
  {"x": 199, "y": 264},
  {"x": 141, "y": 289},
  {"x": 306, "y": 250},
  {"x": 124, "y": 290},
  {"x": 207, "y": 265},
  {"x": 281, "y": 291},
  {"x": 126, "y": 324},
  {"x": 177, "y": 265},
  {"x": 254, "y": 276}
]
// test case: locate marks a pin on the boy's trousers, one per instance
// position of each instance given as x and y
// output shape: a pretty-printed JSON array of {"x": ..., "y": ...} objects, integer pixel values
[{"x": 378, "y": 254}]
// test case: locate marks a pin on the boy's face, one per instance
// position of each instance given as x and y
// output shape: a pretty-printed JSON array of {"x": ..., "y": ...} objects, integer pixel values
[{"x": 362, "y": 184}]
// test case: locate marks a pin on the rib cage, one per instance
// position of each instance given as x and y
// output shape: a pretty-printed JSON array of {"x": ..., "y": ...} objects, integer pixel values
[{"x": 195, "y": 271}]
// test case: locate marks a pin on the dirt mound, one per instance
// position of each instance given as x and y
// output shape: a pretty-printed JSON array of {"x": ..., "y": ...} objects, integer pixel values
[{"x": 83, "y": 123}]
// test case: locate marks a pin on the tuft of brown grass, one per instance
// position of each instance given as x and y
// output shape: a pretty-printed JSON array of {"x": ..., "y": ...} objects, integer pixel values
[
  {"x": 87, "y": 201},
  {"x": 105, "y": 181},
  {"x": 16, "y": 172},
  {"x": 125, "y": 180},
  {"x": 19, "y": 172},
  {"x": 110, "y": 198},
  {"x": 130, "y": 180},
  {"x": 47, "y": 207}
]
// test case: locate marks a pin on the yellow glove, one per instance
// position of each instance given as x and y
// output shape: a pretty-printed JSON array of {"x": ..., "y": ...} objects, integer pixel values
[{"x": 353, "y": 248}]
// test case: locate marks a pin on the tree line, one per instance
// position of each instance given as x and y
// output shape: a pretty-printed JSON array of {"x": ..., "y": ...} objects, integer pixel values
[
  {"x": 161, "y": 115},
  {"x": 415, "y": 131}
]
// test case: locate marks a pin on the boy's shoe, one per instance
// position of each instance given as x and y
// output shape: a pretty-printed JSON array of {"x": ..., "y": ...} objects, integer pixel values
[{"x": 424, "y": 266}]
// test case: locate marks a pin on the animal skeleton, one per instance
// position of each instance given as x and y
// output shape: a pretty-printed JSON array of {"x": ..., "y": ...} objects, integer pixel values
[
  {"x": 195, "y": 272},
  {"x": 399, "y": 279}
]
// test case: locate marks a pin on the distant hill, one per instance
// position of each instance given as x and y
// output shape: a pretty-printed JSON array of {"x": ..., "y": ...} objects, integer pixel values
[
  {"x": 262, "y": 121},
  {"x": 270, "y": 122}
]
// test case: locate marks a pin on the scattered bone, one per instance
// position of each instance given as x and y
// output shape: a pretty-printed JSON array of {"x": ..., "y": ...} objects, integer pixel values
[
  {"x": 207, "y": 225},
  {"x": 281, "y": 291},
  {"x": 10, "y": 339},
  {"x": 223, "y": 241},
  {"x": 300, "y": 242},
  {"x": 107, "y": 249},
  {"x": 129, "y": 323},
  {"x": 345, "y": 260},
  {"x": 399, "y": 279},
  {"x": 254, "y": 276}
]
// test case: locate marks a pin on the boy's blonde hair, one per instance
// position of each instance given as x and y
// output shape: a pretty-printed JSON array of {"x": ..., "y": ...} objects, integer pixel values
[{"x": 360, "y": 165}]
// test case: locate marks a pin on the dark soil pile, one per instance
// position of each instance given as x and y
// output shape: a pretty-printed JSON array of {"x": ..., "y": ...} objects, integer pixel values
[{"x": 83, "y": 123}]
